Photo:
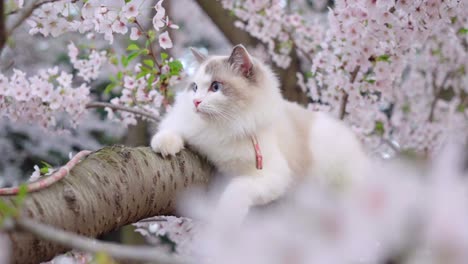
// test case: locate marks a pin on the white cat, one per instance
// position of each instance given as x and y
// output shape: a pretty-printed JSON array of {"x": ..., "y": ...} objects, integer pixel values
[{"x": 235, "y": 100}]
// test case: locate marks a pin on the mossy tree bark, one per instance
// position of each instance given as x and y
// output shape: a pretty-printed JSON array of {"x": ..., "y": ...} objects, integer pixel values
[{"x": 112, "y": 187}]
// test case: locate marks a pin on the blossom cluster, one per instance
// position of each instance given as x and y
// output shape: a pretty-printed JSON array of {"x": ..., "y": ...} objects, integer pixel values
[
  {"x": 434, "y": 93},
  {"x": 139, "y": 93},
  {"x": 39, "y": 98},
  {"x": 280, "y": 31},
  {"x": 137, "y": 90},
  {"x": 109, "y": 18},
  {"x": 365, "y": 54},
  {"x": 89, "y": 68}
]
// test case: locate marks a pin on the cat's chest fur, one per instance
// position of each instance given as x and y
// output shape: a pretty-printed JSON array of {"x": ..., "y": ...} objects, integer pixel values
[{"x": 229, "y": 155}]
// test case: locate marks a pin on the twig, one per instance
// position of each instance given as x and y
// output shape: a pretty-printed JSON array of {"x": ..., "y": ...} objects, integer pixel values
[
  {"x": 143, "y": 113},
  {"x": 68, "y": 239},
  {"x": 46, "y": 182},
  {"x": 344, "y": 99},
  {"x": 3, "y": 33},
  {"x": 437, "y": 90},
  {"x": 391, "y": 145},
  {"x": 151, "y": 51}
]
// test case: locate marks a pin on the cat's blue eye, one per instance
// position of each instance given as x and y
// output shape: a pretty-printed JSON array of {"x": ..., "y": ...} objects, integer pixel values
[
  {"x": 194, "y": 87},
  {"x": 216, "y": 86}
]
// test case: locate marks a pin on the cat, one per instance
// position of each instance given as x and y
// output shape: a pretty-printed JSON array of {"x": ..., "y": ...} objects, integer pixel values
[{"x": 234, "y": 114}]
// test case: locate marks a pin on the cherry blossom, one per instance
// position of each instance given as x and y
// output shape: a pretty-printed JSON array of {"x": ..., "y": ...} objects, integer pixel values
[
  {"x": 165, "y": 41},
  {"x": 37, "y": 99},
  {"x": 135, "y": 33},
  {"x": 158, "y": 19}
]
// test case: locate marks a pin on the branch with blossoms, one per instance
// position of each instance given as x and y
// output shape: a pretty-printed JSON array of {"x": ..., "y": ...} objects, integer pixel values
[{"x": 138, "y": 89}]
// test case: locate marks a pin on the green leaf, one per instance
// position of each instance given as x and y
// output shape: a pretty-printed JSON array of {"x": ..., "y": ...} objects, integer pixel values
[
  {"x": 21, "y": 196},
  {"x": 119, "y": 75},
  {"x": 6, "y": 210},
  {"x": 308, "y": 74},
  {"x": 103, "y": 258},
  {"x": 463, "y": 31},
  {"x": 150, "y": 81},
  {"x": 175, "y": 66},
  {"x": 46, "y": 164},
  {"x": 151, "y": 34},
  {"x": 406, "y": 108},
  {"x": 124, "y": 61},
  {"x": 132, "y": 56},
  {"x": 141, "y": 74},
  {"x": 45, "y": 167},
  {"x": 128, "y": 1},
  {"x": 379, "y": 128},
  {"x": 384, "y": 57},
  {"x": 461, "y": 108},
  {"x": 149, "y": 63},
  {"x": 133, "y": 46},
  {"x": 114, "y": 60},
  {"x": 164, "y": 56},
  {"x": 110, "y": 87},
  {"x": 146, "y": 69}
]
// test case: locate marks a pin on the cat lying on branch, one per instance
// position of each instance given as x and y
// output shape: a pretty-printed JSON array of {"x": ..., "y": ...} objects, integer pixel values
[{"x": 234, "y": 114}]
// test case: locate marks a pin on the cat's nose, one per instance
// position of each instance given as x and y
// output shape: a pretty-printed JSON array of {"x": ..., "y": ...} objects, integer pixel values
[{"x": 197, "y": 102}]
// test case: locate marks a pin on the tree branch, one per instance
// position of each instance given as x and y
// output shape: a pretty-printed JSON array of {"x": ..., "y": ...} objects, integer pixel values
[
  {"x": 437, "y": 90},
  {"x": 3, "y": 33},
  {"x": 139, "y": 112},
  {"x": 134, "y": 253},
  {"x": 47, "y": 181},
  {"x": 112, "y": 187},
  {"x": 344, "y": 99}
]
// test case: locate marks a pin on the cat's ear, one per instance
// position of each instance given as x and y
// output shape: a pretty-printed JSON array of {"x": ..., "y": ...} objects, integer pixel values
[
  {"x": 198, "y": 55},
  {"x": 241, "y": 61}
]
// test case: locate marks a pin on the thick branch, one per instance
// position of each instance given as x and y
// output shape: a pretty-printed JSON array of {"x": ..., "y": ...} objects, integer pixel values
[
  {"x": 225, "y": 23},
  {"x": 112, "y": 187}
]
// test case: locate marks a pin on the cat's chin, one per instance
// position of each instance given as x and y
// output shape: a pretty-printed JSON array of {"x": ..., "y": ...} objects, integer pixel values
[{"x": 201, "y": 113}]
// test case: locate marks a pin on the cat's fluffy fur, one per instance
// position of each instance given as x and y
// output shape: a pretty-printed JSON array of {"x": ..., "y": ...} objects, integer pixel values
[{"x": 294, "y": 142}]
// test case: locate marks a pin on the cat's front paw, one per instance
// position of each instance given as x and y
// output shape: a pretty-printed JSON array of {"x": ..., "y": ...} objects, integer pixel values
[{"x": 167, "y": 143}]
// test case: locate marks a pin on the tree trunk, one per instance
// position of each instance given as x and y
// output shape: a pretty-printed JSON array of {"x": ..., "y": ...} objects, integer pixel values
[
  {"x": 112, "y": 187},
  {"x": 225, "y": 23}
]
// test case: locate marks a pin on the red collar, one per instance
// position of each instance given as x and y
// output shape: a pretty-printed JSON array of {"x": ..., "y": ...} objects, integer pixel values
[{"x": 258, "y": 153}]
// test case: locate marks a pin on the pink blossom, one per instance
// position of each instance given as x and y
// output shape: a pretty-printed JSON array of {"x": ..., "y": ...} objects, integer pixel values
[
  {"x": 165, "y": 40},
  {"x": 130, "y": 9},
  {"x": 135, "y": 33},
  {"x": 119, "y": 27},
  {"x": 158, "y": 19}
]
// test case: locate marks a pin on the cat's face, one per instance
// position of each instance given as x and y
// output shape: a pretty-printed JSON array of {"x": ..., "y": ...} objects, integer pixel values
[{"x": 224, "y": 87}]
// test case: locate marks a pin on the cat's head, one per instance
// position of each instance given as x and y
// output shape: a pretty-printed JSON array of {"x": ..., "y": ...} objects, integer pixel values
[{"x": 234, "y": 88}]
